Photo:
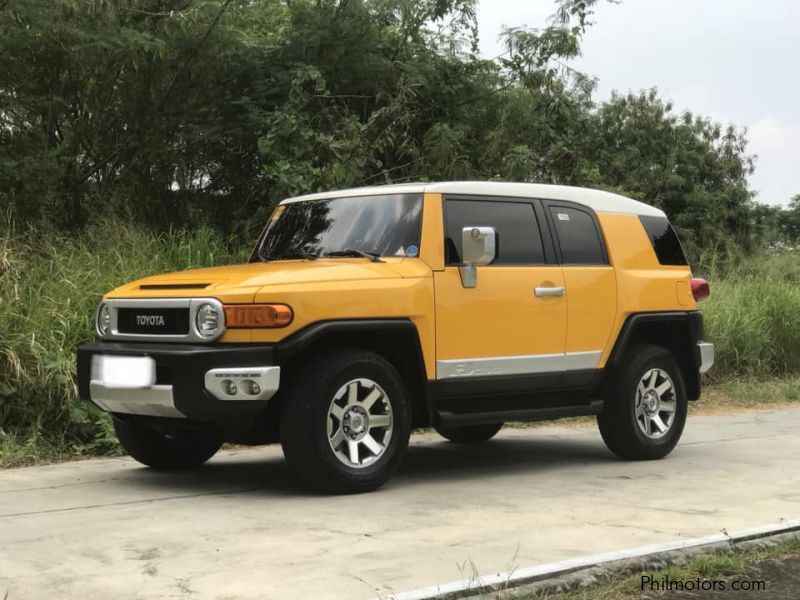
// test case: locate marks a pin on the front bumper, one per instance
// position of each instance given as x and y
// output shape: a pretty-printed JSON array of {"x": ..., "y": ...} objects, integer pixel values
[{"x": 192, "y": 381}]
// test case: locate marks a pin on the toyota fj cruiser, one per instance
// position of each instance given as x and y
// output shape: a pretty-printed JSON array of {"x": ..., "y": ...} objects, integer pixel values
[{"x": 365, "y": 313}]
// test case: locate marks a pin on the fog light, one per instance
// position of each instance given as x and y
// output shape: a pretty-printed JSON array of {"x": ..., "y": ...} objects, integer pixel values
[
  {"x": 230, "y": 387},
  {"x": 253, "y": 388}
]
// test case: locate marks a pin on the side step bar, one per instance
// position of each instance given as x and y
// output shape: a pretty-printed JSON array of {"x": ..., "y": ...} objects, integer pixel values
[{"x": 449, "y": 419}]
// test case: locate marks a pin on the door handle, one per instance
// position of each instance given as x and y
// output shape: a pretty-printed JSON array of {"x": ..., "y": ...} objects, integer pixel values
[{"x": 543, "y": 292}]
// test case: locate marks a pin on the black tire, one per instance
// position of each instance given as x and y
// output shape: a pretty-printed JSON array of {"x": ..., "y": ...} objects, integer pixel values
[
  {"x": 469, "y": 434},
  {"x": 305, "y": 419},
  {"x": 183, "y": 450},
  {"x": 619, "y": 424}
]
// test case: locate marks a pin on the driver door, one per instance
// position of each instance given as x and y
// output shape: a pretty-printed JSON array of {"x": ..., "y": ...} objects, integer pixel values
[{"x": 512, "y": 324}]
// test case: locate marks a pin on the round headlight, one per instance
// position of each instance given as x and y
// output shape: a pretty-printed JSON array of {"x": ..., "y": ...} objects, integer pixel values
[
  {"x": 209, "y": 320},
  {"x": 103, "y": 319}
]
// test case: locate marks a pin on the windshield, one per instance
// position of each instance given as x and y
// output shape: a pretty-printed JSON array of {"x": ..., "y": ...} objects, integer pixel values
[{"x": 386, "y": 225}]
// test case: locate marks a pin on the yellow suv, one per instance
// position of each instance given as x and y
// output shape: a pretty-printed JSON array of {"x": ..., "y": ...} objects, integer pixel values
[{"x": 365, "y": 313}]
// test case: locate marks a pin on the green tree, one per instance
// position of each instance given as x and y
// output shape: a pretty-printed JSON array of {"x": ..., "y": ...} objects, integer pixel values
[
  {"x": 692, "y": 168},
  {"x": 209, "y": 111},
  {"x": 789, "y": 219},
  {"x": 128, "y": 105}
]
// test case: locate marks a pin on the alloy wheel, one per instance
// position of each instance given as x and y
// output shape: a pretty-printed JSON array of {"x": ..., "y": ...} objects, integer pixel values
[
  {"x": 359, "y": 423},
  {"x": 655, "y": 403}
]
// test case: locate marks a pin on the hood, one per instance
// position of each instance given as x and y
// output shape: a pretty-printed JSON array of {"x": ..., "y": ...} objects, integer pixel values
[{"x": 246, "y": 279}]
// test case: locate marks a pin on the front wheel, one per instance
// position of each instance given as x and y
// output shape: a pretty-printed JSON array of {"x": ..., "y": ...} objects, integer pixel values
[
  {"x": 346, "y": 429},
  {"x": 469, "y": 434},
  {"x": 180, "y": 450},
  {"x": 645, "y": 408}
]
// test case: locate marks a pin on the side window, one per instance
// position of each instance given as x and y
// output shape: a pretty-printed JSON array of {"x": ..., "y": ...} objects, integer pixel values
[
  {"x": 519, "y": 240},
  {"x": 577, "y": 236},
  {"x": 665, "y": 241}
]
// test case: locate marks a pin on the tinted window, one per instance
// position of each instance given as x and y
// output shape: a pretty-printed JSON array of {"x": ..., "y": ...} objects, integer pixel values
[
  {"x": 578, "y": 237},
  {"x": 518, "y": 238},
  {"x": 385, "y": 225},
  {"x": 665, "y": 241}
]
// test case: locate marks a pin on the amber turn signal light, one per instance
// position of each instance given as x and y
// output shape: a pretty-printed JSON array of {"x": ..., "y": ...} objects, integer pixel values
[{"x": 254, "y": 316}]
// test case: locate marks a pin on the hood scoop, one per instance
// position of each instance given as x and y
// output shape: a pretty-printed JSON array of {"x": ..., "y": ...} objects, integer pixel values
[{"x": 173, "y": 286}]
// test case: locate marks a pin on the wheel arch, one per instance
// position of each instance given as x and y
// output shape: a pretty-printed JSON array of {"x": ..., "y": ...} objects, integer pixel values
[
  {"x": 679, "y": 332},
  {"x": 395, "y": 339}
]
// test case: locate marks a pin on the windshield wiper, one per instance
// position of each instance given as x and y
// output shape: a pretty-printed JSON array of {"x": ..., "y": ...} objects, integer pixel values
[
  {"x": 289, "y": 254},
  {"x": 372, "y": 256}
]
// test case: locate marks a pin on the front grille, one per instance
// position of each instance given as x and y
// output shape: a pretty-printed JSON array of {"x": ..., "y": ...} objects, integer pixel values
[{"x": 153, "y": 321}]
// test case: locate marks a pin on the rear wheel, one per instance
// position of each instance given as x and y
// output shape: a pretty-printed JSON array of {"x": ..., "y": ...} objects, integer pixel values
[
  {"x": 178, "y": 450},
  {"x": 469, "y": 434},
  {"x": 645, "y": 409},
  {"x": 346, "y": 430}
]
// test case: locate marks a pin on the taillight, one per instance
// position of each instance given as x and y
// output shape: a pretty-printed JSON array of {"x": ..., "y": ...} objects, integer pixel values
[
  {"x": 239, "y": 316},
  {"x": 700, "y": 289}
]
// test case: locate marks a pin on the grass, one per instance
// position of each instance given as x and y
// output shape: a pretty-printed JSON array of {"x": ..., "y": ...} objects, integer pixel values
[
  {"x": 730, "y": 564},
  {"x": 50, "y": 286},
  {"x": 748, "y": 394},
  {"x": 49, "y": 289},
  {"x": 753, "y": 317}
]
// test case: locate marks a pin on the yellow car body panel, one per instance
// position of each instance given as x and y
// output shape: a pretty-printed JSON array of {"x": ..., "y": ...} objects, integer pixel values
[
  {"x": 499, "y": 317},
  {"x": 642, "y": 283},
  {"x": 328, "y": 288},
  {"x": 591, "y": 306}
]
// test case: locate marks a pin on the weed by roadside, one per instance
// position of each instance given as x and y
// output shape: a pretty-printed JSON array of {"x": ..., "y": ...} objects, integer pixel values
[
  {"x": 776, "y": 564},
  {"x": 747, "y": 394},
  {"x": 49, "y": 289}
]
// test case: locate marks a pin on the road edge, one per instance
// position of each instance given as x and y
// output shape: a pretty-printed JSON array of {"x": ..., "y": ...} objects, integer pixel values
[{"x": 587, "y": 568}]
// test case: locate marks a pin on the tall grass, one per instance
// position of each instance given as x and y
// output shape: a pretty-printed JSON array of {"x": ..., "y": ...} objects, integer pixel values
[
  {"x": 753, "y": 317},
  {"x": 49, "y": 289},
  {"x": 50, "y": 286}
]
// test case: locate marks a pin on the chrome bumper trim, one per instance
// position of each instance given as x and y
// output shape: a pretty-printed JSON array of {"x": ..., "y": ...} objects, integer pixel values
[
  {"x": 154, "y": 401},
  {"x": 707, "y": 355},
  {"x": 251, "y": 383}
]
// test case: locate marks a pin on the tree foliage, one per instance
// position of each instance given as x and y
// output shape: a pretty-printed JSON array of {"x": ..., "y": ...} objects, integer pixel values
[{"x": 177, "y": 112}]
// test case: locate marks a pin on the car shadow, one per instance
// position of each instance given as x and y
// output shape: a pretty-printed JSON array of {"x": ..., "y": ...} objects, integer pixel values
[
  {"x": 265, "y": 471},
  {"x": 499, "y": 457}
]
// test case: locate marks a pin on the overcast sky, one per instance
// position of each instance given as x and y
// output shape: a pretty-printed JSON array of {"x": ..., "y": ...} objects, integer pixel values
[{"x": 737, "y": 61}]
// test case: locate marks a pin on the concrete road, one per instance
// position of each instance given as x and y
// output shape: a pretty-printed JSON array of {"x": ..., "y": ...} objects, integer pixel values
[{"x": 236, "y": 528}]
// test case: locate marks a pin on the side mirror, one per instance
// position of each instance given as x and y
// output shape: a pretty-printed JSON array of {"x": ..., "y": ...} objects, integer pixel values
[{"x": 478, "y": 247}]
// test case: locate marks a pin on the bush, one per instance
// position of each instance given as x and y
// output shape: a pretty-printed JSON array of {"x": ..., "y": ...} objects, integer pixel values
[
  {"x": 49, "y": 289},
  {"x": 753, "y": 317}
]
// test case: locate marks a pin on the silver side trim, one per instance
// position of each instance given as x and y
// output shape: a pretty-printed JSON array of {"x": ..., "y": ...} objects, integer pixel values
[
  {"x": 154, "y": 401},
  {"x": 266, "y": 379},
  {"x": 707, "y": 356},
  {"x": 578, "y": 361},
  {"x": 516, "y": 365}
]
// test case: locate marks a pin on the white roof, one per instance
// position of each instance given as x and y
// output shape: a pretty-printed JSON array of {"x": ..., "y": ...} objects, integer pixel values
[{"x": 597, "y": 200}]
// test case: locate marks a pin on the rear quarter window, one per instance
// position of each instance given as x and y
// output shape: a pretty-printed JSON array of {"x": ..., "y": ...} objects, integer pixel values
[
  {"x": 665, "y": 241},
  {"x": 578, "y": 237}
]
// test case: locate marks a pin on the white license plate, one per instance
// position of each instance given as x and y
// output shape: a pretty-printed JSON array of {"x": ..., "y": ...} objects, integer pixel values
[{"x": 131, "y": 372}]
